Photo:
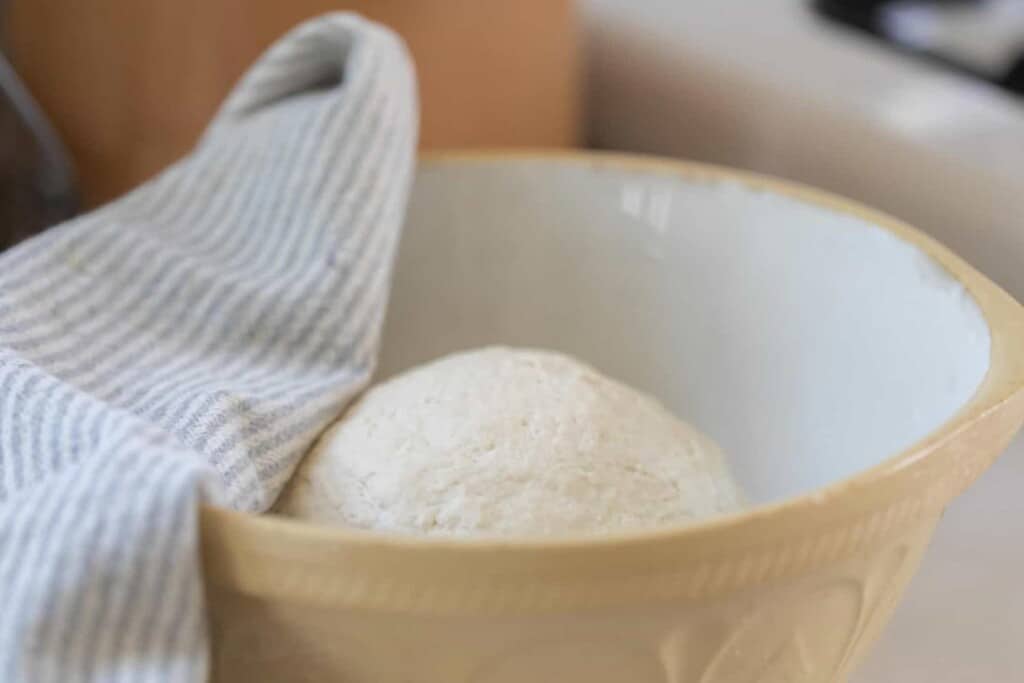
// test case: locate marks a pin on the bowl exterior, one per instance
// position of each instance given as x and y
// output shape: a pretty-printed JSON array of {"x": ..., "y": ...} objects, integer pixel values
[
  {"x": 809, "y": 628},
  {"x": 803, "y": 605}
]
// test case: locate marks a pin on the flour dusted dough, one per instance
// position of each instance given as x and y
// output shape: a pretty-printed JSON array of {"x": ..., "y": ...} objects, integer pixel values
[{"x": 505, "y": 441}]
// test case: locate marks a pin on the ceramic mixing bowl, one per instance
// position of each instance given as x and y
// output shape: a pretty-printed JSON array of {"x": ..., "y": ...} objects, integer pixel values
[{"x": 857, "y": 374}]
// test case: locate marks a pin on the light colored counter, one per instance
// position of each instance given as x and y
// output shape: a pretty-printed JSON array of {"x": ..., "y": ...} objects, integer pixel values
[{"x": 768, "y": 86}]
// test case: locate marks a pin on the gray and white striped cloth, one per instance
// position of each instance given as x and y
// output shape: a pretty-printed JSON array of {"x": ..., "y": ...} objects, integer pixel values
[{"x": 189, "y": 342}]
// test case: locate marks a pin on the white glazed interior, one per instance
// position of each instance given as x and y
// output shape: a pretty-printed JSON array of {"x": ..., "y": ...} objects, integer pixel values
[{"x": 809, "y": 343}]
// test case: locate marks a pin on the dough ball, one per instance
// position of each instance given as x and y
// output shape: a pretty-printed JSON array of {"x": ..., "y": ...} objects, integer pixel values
[{"x": 503, "y": 441}]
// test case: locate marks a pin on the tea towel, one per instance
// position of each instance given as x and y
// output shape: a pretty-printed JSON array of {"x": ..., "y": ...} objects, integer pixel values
[{"x": 187, "y": 343}]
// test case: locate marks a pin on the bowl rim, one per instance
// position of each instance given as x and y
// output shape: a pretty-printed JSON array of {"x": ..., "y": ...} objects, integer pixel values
[{"x": 230, "y": 535}]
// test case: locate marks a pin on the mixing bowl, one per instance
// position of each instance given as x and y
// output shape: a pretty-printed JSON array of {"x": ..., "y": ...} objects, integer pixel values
[{"x": 857, "y": 374}]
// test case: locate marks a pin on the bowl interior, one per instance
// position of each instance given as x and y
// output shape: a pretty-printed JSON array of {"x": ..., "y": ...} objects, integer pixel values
[{"x": 810, "y": 343}]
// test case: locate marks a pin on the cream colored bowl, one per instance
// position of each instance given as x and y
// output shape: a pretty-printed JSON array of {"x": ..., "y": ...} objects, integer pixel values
[{"x": 858, "y": 375}]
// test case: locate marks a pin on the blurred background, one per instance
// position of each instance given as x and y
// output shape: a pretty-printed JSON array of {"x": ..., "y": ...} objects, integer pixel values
[
  {"x": 131, "y": 85},
  {"x": 913, "y": 106}
]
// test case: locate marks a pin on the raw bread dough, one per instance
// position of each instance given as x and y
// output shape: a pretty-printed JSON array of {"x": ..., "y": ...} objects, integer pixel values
[{"x": 503, "y": 441}]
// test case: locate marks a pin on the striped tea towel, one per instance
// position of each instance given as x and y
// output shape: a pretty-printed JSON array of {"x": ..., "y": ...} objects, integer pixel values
[{"x": 188, "y": 342}]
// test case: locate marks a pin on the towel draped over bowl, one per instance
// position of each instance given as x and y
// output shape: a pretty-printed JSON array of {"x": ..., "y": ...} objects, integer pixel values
[{"x": 188, "y": 343}]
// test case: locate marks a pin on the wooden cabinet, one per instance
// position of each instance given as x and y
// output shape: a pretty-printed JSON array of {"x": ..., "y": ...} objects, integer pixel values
[{"x": 130, "y": 85}]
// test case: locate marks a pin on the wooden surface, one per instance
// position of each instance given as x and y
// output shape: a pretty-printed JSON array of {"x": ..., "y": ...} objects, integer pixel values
[{"x": 130, "y": 85}]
